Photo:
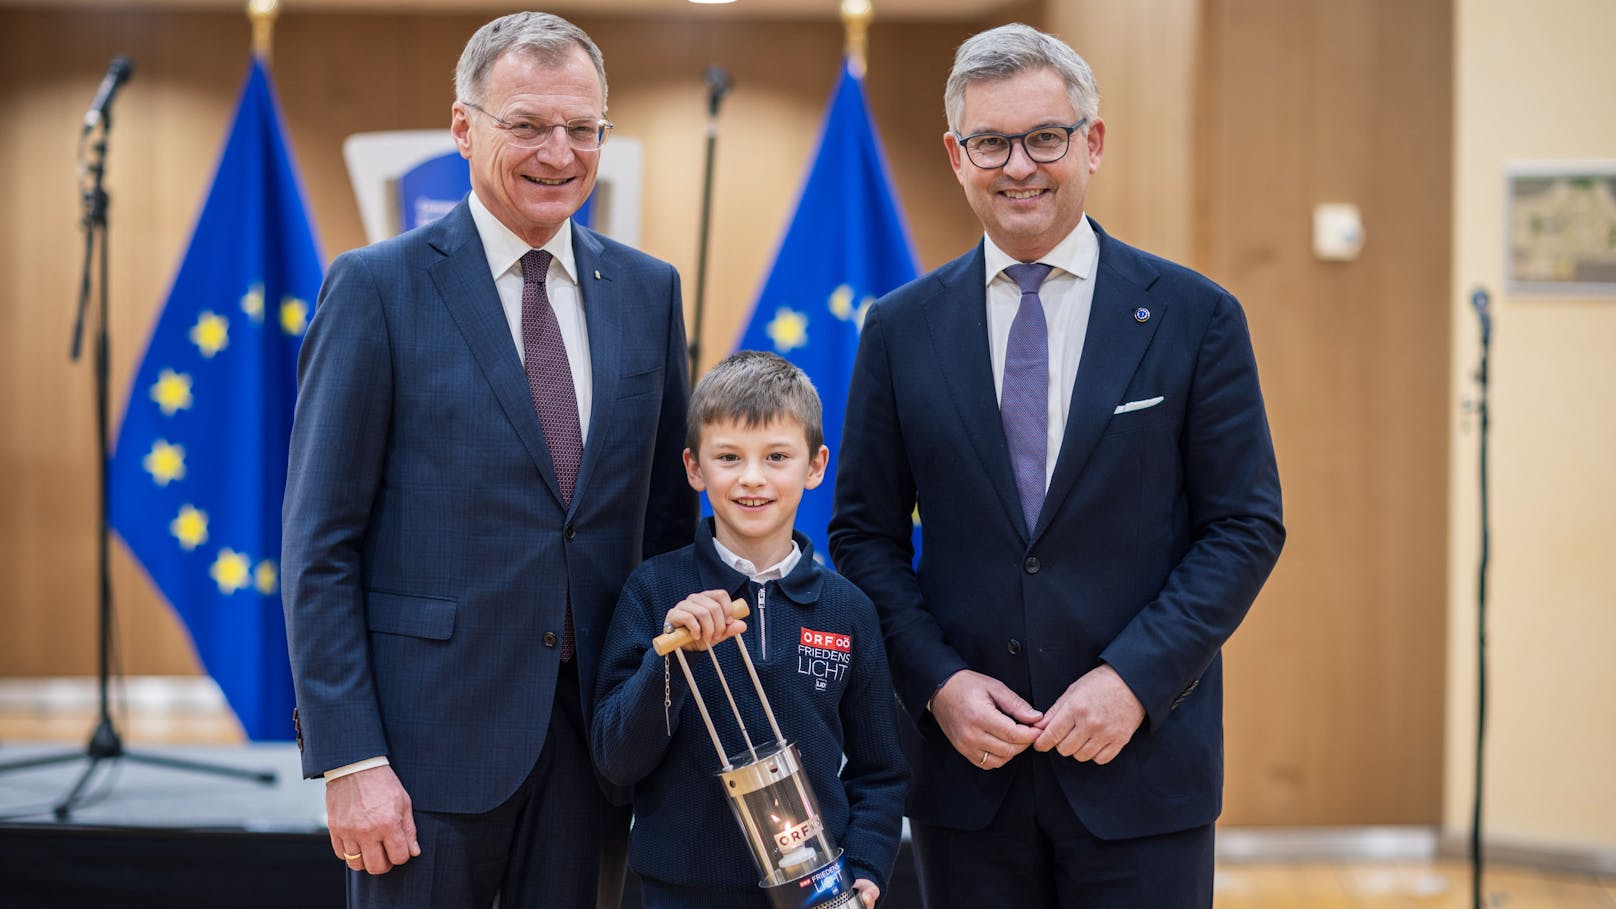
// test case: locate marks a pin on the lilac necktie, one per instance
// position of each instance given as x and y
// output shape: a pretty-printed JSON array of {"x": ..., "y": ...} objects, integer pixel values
[
  {"x": 1024, "y": 397},
  {"x": 549, "y": 380}
]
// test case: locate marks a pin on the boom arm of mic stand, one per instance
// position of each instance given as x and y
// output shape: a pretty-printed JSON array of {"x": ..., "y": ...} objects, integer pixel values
[
  {"x": 715, "y": 97},
  {"x": 94, "y": 221}
]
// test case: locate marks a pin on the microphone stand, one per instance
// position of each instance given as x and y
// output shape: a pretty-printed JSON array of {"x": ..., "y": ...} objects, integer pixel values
[
  {"x": 105, "y": 744},
  {"x": 1479, "y": 300},
  {"x": 718, "y": 85}
]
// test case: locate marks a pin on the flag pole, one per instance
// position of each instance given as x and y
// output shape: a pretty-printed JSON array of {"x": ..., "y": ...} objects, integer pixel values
[
  {"x": 856, "y": 16},
  {"x": 263, "y": 13},
  {"x": 719, "y": 83}
]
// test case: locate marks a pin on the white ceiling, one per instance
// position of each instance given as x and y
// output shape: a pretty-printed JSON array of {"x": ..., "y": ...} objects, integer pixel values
[{"x": 813, "y": 9}]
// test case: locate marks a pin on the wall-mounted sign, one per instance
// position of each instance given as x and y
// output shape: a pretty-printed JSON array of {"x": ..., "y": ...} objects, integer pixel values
[{"x": 1562, "y": 227}]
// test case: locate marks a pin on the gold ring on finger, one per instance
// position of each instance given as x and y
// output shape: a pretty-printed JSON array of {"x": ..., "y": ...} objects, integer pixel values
[
  {"x": 984, "y": 761},
  {"x": 350, "y": 857}
]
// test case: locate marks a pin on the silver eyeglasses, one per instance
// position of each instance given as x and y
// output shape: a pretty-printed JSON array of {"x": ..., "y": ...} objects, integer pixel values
[
  {"x": 1043, "y": 144},
  {"x": 583, "y": 133}
]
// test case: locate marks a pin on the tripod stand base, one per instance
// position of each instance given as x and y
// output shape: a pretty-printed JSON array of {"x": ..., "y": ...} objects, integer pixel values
[{"x": 106, "y": 745}]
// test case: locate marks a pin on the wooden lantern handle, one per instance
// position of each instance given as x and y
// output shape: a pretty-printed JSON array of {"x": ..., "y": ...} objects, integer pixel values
[{"x": 665, "y": 644}]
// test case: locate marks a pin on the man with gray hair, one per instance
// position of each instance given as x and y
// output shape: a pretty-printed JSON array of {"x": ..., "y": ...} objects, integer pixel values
[
  {"x": 488, "y": 434},
  {"x": 1099, "y": 506}
]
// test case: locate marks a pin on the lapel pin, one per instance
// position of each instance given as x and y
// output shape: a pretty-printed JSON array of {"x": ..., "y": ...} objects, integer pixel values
[
  {"x": 597, "y": 274},
  {"x": 1141, "y": 315}
]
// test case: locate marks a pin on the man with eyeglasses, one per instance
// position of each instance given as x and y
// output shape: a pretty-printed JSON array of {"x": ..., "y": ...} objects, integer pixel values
[
  {"x": 488, "y": 434},
  {"x": 1081, "y": 427}
]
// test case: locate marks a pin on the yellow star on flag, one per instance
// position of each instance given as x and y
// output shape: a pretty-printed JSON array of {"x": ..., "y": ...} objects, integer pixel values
[
  {"x": 841, "y": 302},
  {"x": 165, "y": 462},
  {"x": 788, "y": 330},
  {"x": 211, "y": 333},
  {"x": 841, "y": 306},
  {"x": 231, "y": 571},
  {"x": 172, "y": 392},
  {"x": 294, "y": 315},
  {"x": 266, "y": 578},
  {"x": 190, "y": 527},
  {"x": 252, "y": 303}
]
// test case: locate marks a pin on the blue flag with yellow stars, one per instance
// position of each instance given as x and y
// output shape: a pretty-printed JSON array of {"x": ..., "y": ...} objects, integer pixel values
[
  {"x": 846, "y": 246},
  {"x": 197, "y": 476}
]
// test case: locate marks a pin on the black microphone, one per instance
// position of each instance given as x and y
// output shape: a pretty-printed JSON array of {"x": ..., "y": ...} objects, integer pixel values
[
  {"x": 1480, "y": 300},
  {"x": 118, "y": 72},
  {"x": 719, "y": 84}
]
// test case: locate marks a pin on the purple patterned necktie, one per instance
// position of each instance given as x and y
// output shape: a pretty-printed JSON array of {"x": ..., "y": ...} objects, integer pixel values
[
  {"x": 549, "y": 380},
  {"x": 1024, "y": 397}
]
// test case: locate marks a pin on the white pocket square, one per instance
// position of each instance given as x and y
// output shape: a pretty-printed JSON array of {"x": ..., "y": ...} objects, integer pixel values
[{"x": 1132, "y": 406}]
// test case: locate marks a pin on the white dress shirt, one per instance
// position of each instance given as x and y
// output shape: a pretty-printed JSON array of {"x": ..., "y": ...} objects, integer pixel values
[
  {"x": 773, "y": 573},
  {"x": 505, "y": 251},
  {"x": 1068, "y": 296}
]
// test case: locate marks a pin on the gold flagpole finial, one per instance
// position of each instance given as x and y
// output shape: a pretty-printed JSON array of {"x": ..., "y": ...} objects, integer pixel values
[
  {"x": 262, "y": 13},
  {"x": 856, "y": 16}
]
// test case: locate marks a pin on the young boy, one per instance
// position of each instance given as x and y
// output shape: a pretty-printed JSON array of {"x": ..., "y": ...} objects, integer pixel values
[{"x": 755, "y": 443}]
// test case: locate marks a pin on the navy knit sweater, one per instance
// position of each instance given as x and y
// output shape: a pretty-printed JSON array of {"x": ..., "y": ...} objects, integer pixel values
[{"x": 684, "y": 833}]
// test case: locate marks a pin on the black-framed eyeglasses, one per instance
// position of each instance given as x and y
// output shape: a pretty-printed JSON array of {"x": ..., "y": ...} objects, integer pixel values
[
  {"x": 583, "y": 133},
  {"x": 1043, "y": 144}
]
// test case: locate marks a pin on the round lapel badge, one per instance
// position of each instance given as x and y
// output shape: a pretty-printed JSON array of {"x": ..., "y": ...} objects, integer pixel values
[{"x": 1141, "y": 315}]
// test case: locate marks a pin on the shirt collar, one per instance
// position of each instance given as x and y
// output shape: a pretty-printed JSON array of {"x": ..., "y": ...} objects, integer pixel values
[
  {"x": 505, "y": 249},
  {"x": 1074, "y": 254},
  {"x": 800, "y": 584},
  {"x": 773, "y": 573}
]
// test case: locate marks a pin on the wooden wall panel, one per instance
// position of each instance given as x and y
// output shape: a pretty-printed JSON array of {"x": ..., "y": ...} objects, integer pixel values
[
  {"x": 1336, "y": 680},
  {"x": 169, "y": 127},
  {"x": 1145, "y": 55}
]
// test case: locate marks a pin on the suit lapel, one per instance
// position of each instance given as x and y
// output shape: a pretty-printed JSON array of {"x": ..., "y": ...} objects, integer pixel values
[
  {"x": 468, "y": 292},
  {"x": 957, "y": 317},
  {"x": 603, "y": 317},
  {"x": 1112, "y": 349}
]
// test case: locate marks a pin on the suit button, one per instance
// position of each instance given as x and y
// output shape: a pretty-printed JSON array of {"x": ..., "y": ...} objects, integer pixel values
[
  {"x": 1015, "y": 647},
  {"x": 1031, "y": 565},
  {"x": 572, "y": 531},
  {"x": 549, "y": 639}
]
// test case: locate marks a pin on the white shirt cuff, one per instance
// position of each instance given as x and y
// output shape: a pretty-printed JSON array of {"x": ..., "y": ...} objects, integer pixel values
[{"x": 356, "y": 766}]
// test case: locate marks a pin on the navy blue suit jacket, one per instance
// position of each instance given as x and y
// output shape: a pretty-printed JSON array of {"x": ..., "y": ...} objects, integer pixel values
[
  {"x": 1160, "y": 526},
  {"x": 426, "y": 551}
]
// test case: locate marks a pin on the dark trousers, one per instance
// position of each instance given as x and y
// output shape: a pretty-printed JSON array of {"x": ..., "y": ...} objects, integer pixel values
[
  {"x": 556, "y": 842},
  {"x": 1036, "y": 853},
  {"x": 656, "y": 894}
]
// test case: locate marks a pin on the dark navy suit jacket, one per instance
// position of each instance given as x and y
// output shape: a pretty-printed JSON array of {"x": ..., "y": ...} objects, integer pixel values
[
  {"x": 1160, "y": 526},
  {"x": 427, "y": 555}
]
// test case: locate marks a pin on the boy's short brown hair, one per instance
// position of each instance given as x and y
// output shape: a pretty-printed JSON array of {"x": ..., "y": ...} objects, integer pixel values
[{"x": 754, "y": 388}]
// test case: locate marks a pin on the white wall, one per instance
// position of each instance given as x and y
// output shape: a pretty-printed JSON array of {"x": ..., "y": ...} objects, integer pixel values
[{"x": 1534, "y": 82}]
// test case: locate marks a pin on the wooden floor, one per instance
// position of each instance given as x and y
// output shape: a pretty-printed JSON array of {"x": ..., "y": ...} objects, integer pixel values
[
  {"x": 1385, "y": 885},
  {"x": 1246, "y": 884}
]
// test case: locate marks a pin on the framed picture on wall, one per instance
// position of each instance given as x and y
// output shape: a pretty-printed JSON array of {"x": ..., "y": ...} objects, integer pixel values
[{"x": 1562, "y": 227}]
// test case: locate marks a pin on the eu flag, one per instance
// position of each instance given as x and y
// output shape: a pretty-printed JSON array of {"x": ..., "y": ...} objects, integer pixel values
[
  {"x": 200, "y": 465},
  {"x": 846, "y": 246}
]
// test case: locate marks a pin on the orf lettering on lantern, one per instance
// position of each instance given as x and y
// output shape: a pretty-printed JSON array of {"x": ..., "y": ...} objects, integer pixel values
[{"x": 797, "y": 834}]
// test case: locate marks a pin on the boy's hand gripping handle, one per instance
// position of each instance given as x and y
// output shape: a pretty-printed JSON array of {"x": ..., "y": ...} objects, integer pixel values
[{"x": 665, "y": 644}]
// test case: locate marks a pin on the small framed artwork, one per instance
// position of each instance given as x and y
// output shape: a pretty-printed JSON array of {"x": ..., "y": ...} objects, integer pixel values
[{"x": 1562, "y": 227}]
